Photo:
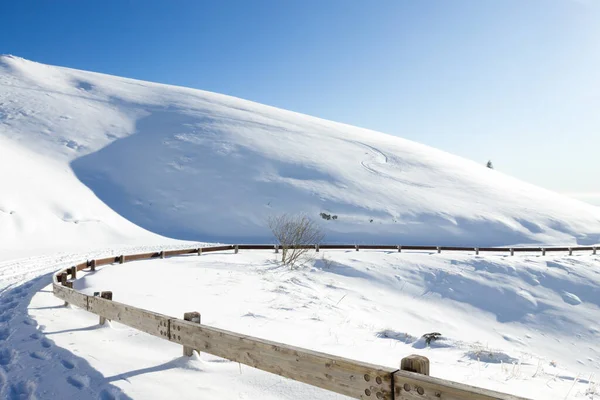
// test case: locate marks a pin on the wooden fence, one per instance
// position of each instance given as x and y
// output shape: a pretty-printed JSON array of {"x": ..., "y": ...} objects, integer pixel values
[{"x": 352, "y": 378}]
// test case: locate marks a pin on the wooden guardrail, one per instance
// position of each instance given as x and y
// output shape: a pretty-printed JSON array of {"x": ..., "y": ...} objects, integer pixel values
[{"x": 352, "y": 378}]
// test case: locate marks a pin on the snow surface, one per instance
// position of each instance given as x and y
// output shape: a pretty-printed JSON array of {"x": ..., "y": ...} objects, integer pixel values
[
  {"x": 505, "y": 322},
  {"x": 190, "y": 164},
  {"x": 94, "y": 165}
]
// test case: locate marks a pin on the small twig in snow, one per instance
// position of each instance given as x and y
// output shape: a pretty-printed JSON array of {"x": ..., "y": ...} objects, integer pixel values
[{"x": 572, "y": 386}]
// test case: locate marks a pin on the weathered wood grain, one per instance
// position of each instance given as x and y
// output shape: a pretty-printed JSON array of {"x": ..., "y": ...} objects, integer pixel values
[
  {"x": 413, "y": 386},
  {"x": 219, "y": 248},
  {"x": 415, "y": 363},
  {"x": 70, "y": 296},
  {"x": 106, "y": 261},
  {"x": 81, "y": 266},
  {"x": 348, "y": 377},
  {"x": 171, "y": 253},
  {"x": 143, "y": 256},
  {"x": 146, "y": 321}
]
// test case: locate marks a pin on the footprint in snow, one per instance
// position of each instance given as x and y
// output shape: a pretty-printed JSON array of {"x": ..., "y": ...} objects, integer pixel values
[
  {"x": 4, "y": 333},
  {"x": 39, "y": 355},
  {"x": 35, "y": 336},
  {"x": 22, "y": 390},
  {"x": 46, "y": 344},
  {"x": 6, "y": 317},
  {"x": 79, "y": 381},
  {"x": 67, "y": 364},
  {"x": 7, "y": 356},
  {"x": 9, "y": 306},
  {"x": 30, "y": 322},
  {"x": 109, "y": 395}
]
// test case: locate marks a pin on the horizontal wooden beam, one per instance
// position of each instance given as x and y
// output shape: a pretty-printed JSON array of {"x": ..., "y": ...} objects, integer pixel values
[
  {"x": 412, "y": 386},
  {"x": 348, "y": 377}
]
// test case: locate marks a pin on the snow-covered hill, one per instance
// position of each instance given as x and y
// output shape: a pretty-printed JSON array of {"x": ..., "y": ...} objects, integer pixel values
[
  {"x": 90, "y": 161},
  {"x": 191, "y": 164}
]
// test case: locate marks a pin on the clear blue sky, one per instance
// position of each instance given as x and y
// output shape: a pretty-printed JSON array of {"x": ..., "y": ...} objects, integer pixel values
[{"x": 514, "y": 81}]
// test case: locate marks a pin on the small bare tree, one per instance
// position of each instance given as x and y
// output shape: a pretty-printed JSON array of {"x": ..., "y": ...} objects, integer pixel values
[{"x": 295, "y": 234}]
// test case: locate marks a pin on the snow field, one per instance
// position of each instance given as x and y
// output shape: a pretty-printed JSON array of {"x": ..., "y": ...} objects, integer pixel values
[{"x": 371, "y": 305}]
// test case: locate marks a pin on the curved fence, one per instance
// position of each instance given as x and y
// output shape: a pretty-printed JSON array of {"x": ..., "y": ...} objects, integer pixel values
[{"x": 348, "y": 377}]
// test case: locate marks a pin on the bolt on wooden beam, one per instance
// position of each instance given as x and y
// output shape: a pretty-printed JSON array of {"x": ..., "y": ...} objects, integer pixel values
[
  {"x": 415, "y": 363},
  {"x": 108, "y": 295},
  {"x": 192, "y": 316}
]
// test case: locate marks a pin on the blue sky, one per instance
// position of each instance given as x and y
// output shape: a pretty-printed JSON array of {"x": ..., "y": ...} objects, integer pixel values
[{"x": 514, "y": 81}]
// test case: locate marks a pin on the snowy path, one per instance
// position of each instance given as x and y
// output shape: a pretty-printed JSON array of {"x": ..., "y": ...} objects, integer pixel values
[{"x": 31, "y": 365}]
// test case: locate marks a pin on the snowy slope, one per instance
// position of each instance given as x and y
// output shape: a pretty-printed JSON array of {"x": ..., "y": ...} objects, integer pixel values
[{"x": 190, "y": 164}]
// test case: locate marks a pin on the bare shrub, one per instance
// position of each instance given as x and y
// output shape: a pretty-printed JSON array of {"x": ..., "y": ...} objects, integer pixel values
[{"x": 296, "y": 235}]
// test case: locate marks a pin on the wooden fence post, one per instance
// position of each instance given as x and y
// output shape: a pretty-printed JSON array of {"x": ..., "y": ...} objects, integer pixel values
[
  {"x": 415, "y": 363},
  {"x": 356, "y": 247},
  {"x": 477, "y": 251},
  {"x": 570, "y": 251},
  {"x": 192, "y": 316},
  {"x": 317, "y": 247},
  {"x": 70, "y": 286},
  {"x": 108, "y": 296},
  {"x": 236, "y": 249},
  {"x": 399, "y": 249},
  {"x": 63, "y": 279},
  {"x": 439, "y": 250},
  {"x": 277, "y": 249},
  {"x": 543, "y": 251},
  {"x": 73, "y": 272},
  {"x": 162, "y": 254},
  {"x": 594, "y": 250},
  {"x": 512, "y": 251},
  {"x": 93, "y": 265},
  {"x": 199, "y": 251}
]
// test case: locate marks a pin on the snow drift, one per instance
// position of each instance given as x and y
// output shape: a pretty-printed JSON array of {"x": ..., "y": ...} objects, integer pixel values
[{"x": 190, "y": 164}]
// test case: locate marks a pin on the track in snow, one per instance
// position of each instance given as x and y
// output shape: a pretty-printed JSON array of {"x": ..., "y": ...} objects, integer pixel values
[{"x": 31, "y": 366}]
